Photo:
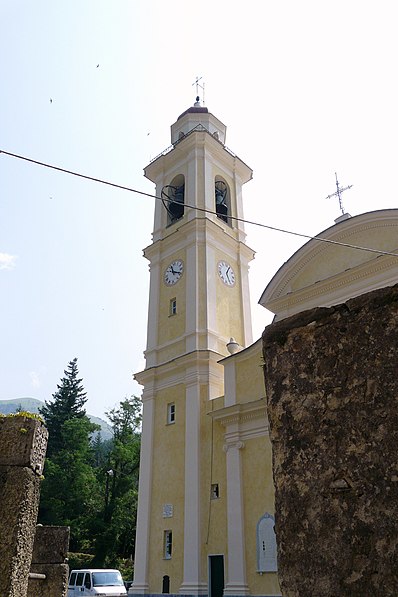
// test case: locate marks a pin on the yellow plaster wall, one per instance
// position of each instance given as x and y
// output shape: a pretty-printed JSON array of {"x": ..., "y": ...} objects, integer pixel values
[
  {"x": 167, "y": 489},
  {"x": 258, "y": 495},
  {"x": 172, "y": 326},
  {"x": 334, "y": 259},
  {"x": 170, "y": 351},
  {"x": 213, "y": 470},
  {"x": 229, "y": 307},
  {"x": 202, "y": 309},
  {"x": 249, "y": 375}
]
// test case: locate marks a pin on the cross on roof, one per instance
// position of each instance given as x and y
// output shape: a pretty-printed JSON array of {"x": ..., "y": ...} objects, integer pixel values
[{"x": 338, "y": 193}]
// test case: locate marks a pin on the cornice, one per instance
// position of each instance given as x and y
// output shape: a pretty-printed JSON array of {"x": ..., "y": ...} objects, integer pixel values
[
  {"x": 348, "y": 279},
  {"x": 201, "y": 366},
  {"x": 314, "y": 249},
  {"x": 198, "y": 231},
  {"x": 240, "y": 413},
  {"x": 195, "y": 139}
]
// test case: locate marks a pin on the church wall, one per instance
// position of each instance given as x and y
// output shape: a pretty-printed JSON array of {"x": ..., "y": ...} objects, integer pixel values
[
  {"x": 167, "y": 488},
  {"x": 202, "y": 311},
  {"x": 184, "y": 459},
  {"x": 330, "y": 260},
  {"x": 249, "y": 378},
  {"x": 213, "y": 470},
  {"x": 172, "y": 326},
  {"x": 228, "y": 303},
  {"x": 258, "y": 496}
]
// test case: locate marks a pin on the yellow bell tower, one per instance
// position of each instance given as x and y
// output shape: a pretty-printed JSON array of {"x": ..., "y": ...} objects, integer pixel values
[{"x": 199, "y": 301}]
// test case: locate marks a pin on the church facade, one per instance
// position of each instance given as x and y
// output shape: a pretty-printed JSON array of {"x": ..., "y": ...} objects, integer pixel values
[
  {"x": 206, "y": 498},
  {"x": 202, "y": 508}
]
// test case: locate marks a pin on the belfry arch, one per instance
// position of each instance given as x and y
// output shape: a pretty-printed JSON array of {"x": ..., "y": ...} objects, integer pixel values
[
  {"x": 222, "y": 199},
  {"x": 173, "y": 197}
]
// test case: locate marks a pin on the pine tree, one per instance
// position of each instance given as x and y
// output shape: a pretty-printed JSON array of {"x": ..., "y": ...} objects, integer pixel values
[
  {"x": 69, "y": 493},
  {"x": 67, "y": 404}
]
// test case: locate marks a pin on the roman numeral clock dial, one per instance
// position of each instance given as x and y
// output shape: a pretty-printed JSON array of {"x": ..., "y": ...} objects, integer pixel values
[
  {"x": 226, "y": 273},
  {"x": 173, "y": 272}
]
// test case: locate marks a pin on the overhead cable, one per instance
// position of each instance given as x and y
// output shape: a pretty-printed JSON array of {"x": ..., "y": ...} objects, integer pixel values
[{"x": 200, "y": 209}]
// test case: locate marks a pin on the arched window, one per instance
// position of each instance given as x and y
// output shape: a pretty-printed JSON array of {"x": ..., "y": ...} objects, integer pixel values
[
  {"x": 173, "y": 197},
  {"x": 222, "y": 199},
  {"x": 166, "y": 584},
  {"x": 266, "y": 544}
]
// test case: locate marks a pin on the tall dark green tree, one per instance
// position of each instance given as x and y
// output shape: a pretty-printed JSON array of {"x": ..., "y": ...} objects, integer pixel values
[
  {"x": 67, "y": 403},
  {"x": 70, "y": 492}
]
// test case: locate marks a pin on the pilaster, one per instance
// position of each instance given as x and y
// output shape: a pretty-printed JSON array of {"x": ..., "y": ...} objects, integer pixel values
[{"x": 236, "y": 577}]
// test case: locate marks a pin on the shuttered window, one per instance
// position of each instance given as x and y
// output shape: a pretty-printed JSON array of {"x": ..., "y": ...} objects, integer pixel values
[{"x": 266, "y": 544}]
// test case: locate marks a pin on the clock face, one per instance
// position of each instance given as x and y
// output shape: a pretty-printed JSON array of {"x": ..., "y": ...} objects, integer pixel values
[
  {"x": 173, "y": 272},
  {"x": 226, "y": 273}
]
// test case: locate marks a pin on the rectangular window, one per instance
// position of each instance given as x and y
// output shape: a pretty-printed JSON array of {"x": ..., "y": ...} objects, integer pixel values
[
  {"x": 167, "y": 544},
  {"x": 173, "y": 307},
  {"x": 214, "y": 492},
  {"x": 171, "y": 413}
]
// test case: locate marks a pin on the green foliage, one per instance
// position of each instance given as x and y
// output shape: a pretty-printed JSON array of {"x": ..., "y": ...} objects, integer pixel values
[
  {"x": 120, "y": 473},
  {"x": 68, "y": 403},
  {"x": 24, "y": 414},
  {"x": 79, "y": 560},
  {"x": 90, "y": 484},
  {"x": 70, "y": 494}
]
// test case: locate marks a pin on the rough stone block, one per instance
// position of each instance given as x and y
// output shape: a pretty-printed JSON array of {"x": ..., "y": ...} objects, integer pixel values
[
  {"x": 55, "y": 583},
  {"x": 51, "y": 545},
  {"x": 23, "y": 442},
  {"x": 19, "y": 502},
  {"x": 331, "y": 378}
]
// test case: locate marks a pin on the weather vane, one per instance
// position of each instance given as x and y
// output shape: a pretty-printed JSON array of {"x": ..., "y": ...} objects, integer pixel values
[
  {"x": 196, "y": 82},
  {"x": 338, "y": 193}
]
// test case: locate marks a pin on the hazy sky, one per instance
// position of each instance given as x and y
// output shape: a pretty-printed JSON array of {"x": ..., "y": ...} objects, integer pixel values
[{"x": 305, "y": 88}]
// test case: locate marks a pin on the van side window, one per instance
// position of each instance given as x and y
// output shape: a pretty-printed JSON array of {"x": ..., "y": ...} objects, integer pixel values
[
  {"x": 72, "y": 579},
  {"x": 79, "y": 579},
  {"x": 87, "y": 580}
]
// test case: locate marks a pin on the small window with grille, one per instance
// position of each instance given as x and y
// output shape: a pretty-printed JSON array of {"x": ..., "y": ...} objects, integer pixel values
[
  {"x": 167, "y": 544},
  {"x": 173, "y": 307}
]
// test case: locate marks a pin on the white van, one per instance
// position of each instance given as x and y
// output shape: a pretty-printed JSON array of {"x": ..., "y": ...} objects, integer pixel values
[{"x": 91, "y": 582}]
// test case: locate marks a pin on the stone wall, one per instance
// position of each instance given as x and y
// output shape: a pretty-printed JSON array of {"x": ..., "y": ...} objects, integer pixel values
[
  {"x": 49, "y": 559},
  {"x": 331, "y": 377},
  {"x": 22, "y": 451}
]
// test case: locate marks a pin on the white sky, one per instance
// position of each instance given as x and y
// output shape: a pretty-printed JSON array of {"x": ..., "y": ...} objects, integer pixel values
[{"x": 306, "y": 89}]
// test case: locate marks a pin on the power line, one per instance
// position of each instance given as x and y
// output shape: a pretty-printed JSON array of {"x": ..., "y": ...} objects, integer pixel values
[{"x": 200, "y": 209}]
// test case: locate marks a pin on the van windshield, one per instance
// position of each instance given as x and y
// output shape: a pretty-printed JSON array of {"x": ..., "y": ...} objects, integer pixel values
[{"x": 107, "y": 579}]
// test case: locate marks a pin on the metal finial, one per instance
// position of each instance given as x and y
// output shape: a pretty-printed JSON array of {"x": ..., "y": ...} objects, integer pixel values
[
  {"x": 196, "y": 82},
  {"x": 338, "y": 193}
]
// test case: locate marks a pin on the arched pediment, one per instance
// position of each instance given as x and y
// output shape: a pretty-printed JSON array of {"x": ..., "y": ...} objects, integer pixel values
[{"x": 328, "y": 273}]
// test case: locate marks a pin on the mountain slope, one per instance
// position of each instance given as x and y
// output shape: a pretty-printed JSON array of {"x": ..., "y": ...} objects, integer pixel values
[{"x": 32, "y": 405}]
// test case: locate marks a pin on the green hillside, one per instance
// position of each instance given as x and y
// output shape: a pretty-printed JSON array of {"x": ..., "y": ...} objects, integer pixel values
[{"x": 32, "y": 405}]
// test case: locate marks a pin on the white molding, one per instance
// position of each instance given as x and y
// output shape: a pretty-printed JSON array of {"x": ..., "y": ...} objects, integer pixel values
[
  {"x": 339, "y": 288},
  {"x": 243, "y": 422},
  {"x": 365, "y": 271},
  {"x": 236, "y": 570},
  {"x": 140, "y": 584},
  {"x": 192, "y": 539}
]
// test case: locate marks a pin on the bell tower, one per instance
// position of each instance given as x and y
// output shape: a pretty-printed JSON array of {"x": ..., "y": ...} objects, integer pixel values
[{"x": 198, "y": 301}]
